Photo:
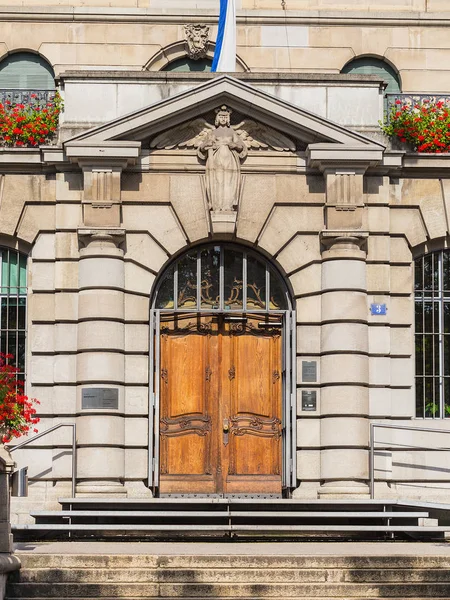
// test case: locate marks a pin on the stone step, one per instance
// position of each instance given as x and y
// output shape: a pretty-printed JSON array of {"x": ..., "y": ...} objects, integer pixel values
[
  {"x": 199, "y": 561},
  {"x": 233, "y": 576},
  {"x": 262, "y": 589}
]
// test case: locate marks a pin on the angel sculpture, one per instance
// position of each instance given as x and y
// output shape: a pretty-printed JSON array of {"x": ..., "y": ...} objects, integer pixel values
[{"x": 223, "y": 146}]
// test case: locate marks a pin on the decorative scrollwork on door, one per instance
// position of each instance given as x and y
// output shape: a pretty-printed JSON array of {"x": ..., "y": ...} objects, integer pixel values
[
  {"x": 253, "y": 425},
  {"x": 231, "y": 372},
  {"x": 165, "y": 375},
  {"x": 198, "y": 424}
]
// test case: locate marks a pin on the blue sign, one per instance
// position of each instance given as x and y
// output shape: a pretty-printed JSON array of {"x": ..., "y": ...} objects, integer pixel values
[{"x": 378, "y": 309}]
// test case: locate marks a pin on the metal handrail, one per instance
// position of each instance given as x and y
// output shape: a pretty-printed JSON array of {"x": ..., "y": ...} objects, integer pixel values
[
  {"x": 372, "y": 447},
  {"x": 74, "y": 448}
]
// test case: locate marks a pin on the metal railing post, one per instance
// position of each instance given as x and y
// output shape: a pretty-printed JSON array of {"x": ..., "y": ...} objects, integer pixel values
[
  {"x": 74, "y": 448},
  {"x": 372, "y": 447}
]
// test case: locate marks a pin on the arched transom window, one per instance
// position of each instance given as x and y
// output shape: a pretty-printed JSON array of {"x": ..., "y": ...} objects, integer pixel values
[
  {"x": 432, "y": 335},
  {"x": 221, "y": 278}
]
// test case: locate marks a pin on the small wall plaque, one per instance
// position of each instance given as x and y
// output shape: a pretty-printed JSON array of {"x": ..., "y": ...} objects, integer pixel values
[
  {"x": 309, "y": 370},
  {"x": 309, "y": 400},
  {"x": 99, "y": 398},
  {"x": 378, "y": 309}
]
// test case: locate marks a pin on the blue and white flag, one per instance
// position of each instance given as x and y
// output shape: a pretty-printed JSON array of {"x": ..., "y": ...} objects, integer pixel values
[{"x": 225, "y": 52}]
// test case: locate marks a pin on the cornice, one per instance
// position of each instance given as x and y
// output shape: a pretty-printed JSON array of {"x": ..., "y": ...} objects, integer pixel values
[{"x": 249, "y": 17}]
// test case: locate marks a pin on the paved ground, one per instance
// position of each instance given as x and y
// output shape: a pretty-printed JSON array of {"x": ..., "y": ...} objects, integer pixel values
[{"x": 243, "y": 548}]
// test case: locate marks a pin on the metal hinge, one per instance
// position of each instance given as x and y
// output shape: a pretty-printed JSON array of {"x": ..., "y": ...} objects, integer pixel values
[{"x": 291, "y": 465}]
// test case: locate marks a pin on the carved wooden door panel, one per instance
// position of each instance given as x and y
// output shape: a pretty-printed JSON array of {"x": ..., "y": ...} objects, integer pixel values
[
  {"x": 251, "y": 402},
  {"x": 188, "y": 395},
  {"x": 220, "y": 411}
]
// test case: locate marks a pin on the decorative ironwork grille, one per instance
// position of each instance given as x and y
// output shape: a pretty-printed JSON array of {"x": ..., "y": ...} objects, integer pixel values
[
  {"x": 221, "y": 278},
  {"x": 432, "y": 335},
  {"x": 13, "y": 304},
  {"x": 33, "y": 97},
  {"x": 413, "y": 99}
]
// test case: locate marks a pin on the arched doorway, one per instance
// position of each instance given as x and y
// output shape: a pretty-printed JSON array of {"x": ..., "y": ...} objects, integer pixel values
[{"x": 222, "y": 376}]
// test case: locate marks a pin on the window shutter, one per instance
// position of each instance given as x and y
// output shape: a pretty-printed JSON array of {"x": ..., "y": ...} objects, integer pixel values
[{"x": 26, "y": 71}]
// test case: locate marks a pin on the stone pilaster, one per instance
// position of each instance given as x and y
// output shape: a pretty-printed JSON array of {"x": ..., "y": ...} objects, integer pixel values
[
  {"x": 344, "y": 365},
  {"x": 101, "y": 362}
]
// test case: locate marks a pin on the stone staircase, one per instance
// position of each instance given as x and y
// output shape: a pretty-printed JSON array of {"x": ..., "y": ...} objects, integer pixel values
[
  {"x": 140, "y": 576},
  {"x": 234, "y": 518}
]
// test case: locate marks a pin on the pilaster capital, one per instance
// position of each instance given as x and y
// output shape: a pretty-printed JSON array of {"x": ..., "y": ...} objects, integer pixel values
[
  {"x": 344, "y": 244},
  {"x": 106, "y": 240}
]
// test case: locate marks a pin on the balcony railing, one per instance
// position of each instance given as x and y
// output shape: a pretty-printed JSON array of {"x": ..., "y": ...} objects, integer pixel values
[
  {"x": 35, "y": 97},
  {"x": 414, "y": 99}
]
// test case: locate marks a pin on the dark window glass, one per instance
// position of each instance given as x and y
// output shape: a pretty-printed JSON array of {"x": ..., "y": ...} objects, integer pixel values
[
  {"x": 233, "y": 279},
  {"x": 187, "y": 281},
  {"x": 165, "y": 292},
  {"x": 256, "y": 284},
  {"x": 210, "y": 277}
]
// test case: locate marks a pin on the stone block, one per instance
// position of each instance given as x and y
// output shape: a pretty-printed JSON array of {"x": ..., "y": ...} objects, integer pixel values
[
  {"x": 308, "y": 433},
  {"x": 400, "y": 251},
  {"x": 66, "y": 306},
  {"x": 101, "y": 272},
  {"x": 189, "y": 204},
  {"x": 285, "y": 221},
  {"x": 102, "y": 462},
  {"x": 65, "y": 368},
  {"x": 93, "y": 304},
  {"x": 408, "y": 222},
  {"x": 145, "y": 187},
  {"x": 41, "y": 307},
  {"x": 68, "y": 216},
  {"x": 342, "y": 305},
  {"x": 44, "y": 247},
  {"x": 401, "y": 311},
  {"x": 136, "y": 461},
  {"x": 376, "y": 190},
  {"x": 136, "y": 432},
  {"x": 34, "y": 219},
  {"x": 136, "y": 338},
  {"x": 379, "y": 340},
  {"x": 366, "y": 108},
  {"x": 66, "y": 275},
  {"x": 378, "y": 279},
  {"x": 69, "y": 187},
  {"x": 344, "y": 400},
  {"x": 344, "y": 368},
  {"x": 136, "y": 369},
  {"x": 344, "y": 337},
  {"x": 101, "y": 216},
  {"x": 342, "y": 464},
  {"x": 66, "y": 245},
  {"x": 402, "y": 279},
  {"x": 308, "y": 339},
  {"x": 143, "y": 250},
  {"x": 308, "y": 280},
  {"x": 300, "y": 251},
  {"x": 258, "y": 198},
  {"x": 308, "y": 310},
  {"x": 402, "y": 371},
  {"x": 136, "y": 400},
  {"x": 99, "y": 367},
  {"x": 356, "y": 431},
  {"x": 160, "y": 221},
  {"x": 343, "y": 274},
  {"x": 101, "y": 335},
  {"x": 138, "y": 279},
  {"x": 402, "y": 341},
  {"x": 378, "y": 248},
  {"x": 40, "y": 370},
  {"x": 380, "y": 372},
  {"x": 308, "y": 464},
  {"x": 42, "y": 276},
  {"x": 42, "y": 338},
  {"x": 380, "y": 402},
  {"x": 100, "y": 429},
  {"x": 137, "y": 308}
]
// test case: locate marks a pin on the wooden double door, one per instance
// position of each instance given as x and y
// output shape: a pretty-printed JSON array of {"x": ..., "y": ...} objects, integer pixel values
[{"x": 221, "y": 387}]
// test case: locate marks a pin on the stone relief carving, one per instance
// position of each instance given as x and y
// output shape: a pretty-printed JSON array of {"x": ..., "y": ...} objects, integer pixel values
[
  {"x": 223, "y": 146},
  {"x": 197, "y": 40}
]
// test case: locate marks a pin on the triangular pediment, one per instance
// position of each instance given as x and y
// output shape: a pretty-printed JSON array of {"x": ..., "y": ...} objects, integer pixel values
[{"x": 302, "y": 127}]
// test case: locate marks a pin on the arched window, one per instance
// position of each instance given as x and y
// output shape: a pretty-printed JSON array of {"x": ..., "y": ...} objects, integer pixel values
[
  {"x": 185, "y": 64},
  {"x": 13, "y": 300},
  {"x": 368, "y": 65},
  {"x": 26, "y": 71},
  {"x": 221, "y": 278},
  {"x": 432, "y": 335}
]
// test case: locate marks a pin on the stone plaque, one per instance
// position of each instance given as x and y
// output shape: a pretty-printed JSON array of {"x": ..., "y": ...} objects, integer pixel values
[
  {"x": 100, "y": 398},
  {"x": 309, "y": 370},
  {"x": 309, "y": 400}
]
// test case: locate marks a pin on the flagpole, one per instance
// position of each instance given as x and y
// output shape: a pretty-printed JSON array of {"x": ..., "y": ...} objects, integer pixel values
[{"x": 225, "y": 51}]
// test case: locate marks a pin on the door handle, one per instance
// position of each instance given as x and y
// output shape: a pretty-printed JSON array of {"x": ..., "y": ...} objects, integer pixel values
[{"x": 226, "y": 430}]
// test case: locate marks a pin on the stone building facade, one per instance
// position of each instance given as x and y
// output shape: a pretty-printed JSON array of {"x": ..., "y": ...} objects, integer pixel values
[{"x": 353, "y": 231}]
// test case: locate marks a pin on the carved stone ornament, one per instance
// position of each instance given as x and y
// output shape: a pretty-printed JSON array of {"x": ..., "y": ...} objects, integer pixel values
[
  {"x": 197, "y": 40},
  {"x": 223, "y": 146}
]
